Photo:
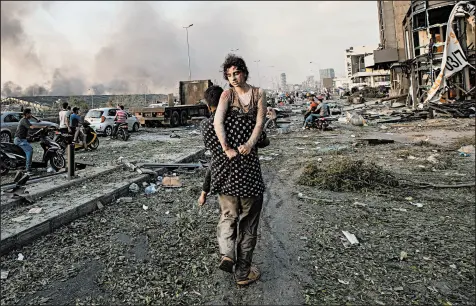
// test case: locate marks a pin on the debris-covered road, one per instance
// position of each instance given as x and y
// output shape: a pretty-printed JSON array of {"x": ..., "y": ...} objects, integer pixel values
[{"x": 415, "y": 245}]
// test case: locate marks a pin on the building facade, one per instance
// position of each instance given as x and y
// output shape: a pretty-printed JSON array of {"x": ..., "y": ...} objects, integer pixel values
[
  {"x": 327, "y": 73},
  {"x": 284, "y": 85}
]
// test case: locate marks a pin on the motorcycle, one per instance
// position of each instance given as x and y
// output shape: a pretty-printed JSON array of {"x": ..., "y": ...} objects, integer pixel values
[
  {"x": 322, "y": 123},
  {"x": 91, "y": 138},
  {"x": 122, "y": 132},
  {"x": 12, "y": 157}
]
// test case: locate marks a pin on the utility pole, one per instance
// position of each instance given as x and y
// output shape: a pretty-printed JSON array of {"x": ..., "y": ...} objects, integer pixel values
[{"x": 188, "y": 52}]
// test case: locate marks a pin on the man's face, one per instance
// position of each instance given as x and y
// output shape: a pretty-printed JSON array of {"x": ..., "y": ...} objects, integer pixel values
[
  {"x": 28, "y": 116},
  {"x": 235, "y": 76}
]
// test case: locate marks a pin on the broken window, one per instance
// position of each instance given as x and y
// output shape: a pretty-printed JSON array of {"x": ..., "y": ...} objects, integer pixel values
[
  {"x": 439, "y": 15},
  {"x": 419, "y": 21}
]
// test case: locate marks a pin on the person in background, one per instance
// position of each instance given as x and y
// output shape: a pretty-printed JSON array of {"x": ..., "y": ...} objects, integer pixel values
[
  {"x": 63, "y": 119},
  {"x": 74, "y": 119},
  {"x": 312, "y": 106},
  {"x": 121, "y": 117},
  {"x": 322, "y": 110},
  {"x": 21, "y": 138}
]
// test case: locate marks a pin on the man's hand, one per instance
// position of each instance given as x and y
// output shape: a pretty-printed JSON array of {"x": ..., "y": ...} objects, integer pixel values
[
  {"x": 231, "y": 153},
  {"x": 244, "y": 149}
]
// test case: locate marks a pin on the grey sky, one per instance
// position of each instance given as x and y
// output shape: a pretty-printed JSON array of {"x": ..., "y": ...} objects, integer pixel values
[{"x": 125, "y": 44}]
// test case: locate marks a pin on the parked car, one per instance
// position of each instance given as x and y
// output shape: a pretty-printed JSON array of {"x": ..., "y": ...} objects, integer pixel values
[
  {"x": 102, "y": 120},
  {"x": 9, "y": 123}
]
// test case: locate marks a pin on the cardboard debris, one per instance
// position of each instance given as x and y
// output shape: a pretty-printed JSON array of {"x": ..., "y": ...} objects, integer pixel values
[
  {"x": 35, "y": 210},
  {"x": 171, "y": 182},
  {"x": 4, "y": 274},
  {"x": 351, "y": 237}
]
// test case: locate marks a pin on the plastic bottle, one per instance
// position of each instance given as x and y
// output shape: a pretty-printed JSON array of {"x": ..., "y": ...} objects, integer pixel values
[{"x": 150, "y": 189}]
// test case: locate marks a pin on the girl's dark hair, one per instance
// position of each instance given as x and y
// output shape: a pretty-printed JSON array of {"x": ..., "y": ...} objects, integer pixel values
[
  {"x": 237, "y": 61},
  {"x": 212, "y": 95}
]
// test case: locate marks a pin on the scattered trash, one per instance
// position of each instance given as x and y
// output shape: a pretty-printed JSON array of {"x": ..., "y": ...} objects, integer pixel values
[
  {"x": 453, "y": 266},
  {"x": 134, "y": 188},
  {"x": 300, "y": 148},
  {"x": 409, "y": 198},
  {"x": 403, "y": 255},
  {"x": 265, "y": 158},
  {"x": 145, "y": 207},
  {"x": 303, "y": 238},
  {"x": 50, "y": 170},
  {"x": 84, "y": 187},
  {"x": 20, "y": 257},
  {"x": 383, "y": 127},
  {"x": 343, "y": 282},
  {"x": 35, "y": 210},
  {"x": 319, "y": 159},
  {"x": 145, "y": 184},
  {"x": 174, "y": 136},
  {"x": 125, "y": 200},
  {"x": 159, "y": 180},
  {"x": 360, "y": 204},
  {"x": 398, "y": 289},
  {"x": 427, "y": 258},
  {"x": 375, "y": 141},
  {"x": 411, "y": 157},
  {"x": 99, "y": 205},
  {"x": 400, "y": 209},
  {"x": 353, "y": 136},
  {"x": 351, "y": 237},
  {"x": 21, "y": 218},
  {"x": 4, "y": 274},
  {"x": 419, "y": 205},
  {"x": 150, "y": 189},
  {"x": 167, "y": 212},
  {"x": 432, "y": 158}
]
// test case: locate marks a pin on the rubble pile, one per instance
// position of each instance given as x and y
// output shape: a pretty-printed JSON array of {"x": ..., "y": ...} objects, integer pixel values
[
  {"x": 367, "y": 92},
  {"x": 347, "y": 175},
  {"x": 457, "y": 109}
]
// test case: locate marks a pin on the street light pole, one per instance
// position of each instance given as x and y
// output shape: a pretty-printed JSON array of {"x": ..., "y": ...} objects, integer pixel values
[
  {"x": 259, "y": 79},
  {"x": 188, "y": 52}
]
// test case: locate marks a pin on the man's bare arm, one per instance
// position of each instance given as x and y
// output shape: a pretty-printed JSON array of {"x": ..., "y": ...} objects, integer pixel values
[
  {"x": 219, "y": 122},
  {"x": 260, "y": 119}
]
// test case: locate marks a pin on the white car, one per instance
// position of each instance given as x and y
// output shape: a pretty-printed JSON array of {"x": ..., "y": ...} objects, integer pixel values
[{"x": 102, "y": 120}]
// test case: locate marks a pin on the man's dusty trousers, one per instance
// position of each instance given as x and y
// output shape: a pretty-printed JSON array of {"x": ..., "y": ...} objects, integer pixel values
[{"x": 245, "y": 212}]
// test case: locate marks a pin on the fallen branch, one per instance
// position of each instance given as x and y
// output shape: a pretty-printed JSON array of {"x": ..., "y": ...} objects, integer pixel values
[{"x": 447, "y": 186}]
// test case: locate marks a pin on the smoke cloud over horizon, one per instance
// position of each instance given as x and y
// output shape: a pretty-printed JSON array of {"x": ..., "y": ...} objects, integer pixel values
[
  {"x": 74, "y": 48},
  {"x": 144, "y": 52}
]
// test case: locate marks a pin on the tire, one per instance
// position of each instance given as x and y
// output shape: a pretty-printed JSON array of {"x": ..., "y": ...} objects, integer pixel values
[
  {"x": 135, "y": 127},
  {"x": 121, "y": 134},
  {"x": 108, "y": 131},
  {"x": 95, "y": 144},
  {"x": 175, "y": 119},
  {"x": 3, "y": 167},
  {"x": 57, "y": 161},
  {"x": 5, "y": 137},
  {"x": 183, "y": 118}
]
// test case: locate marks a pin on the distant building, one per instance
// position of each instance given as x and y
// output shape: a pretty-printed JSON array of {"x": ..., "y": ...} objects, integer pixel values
[
  {"x": 283, "y": 81},
  {"x": 327, "y": 73},
  {"x": 361, "y": 69}
]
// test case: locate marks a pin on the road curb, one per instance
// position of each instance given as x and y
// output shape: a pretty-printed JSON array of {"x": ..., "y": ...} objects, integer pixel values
[
  {"x": 27, "y": 235},
  {"x": 35, "y": 196}
]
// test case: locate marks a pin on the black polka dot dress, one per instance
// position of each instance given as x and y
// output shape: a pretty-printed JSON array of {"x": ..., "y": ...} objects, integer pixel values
[{"x": 240, "y": 176}]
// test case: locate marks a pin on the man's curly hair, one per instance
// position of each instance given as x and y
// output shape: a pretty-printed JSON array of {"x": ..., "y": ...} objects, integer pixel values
[{"x": 237, "y": 61}]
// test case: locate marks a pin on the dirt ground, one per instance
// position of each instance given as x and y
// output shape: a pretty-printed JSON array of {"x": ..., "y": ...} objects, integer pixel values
[{"x": 167, "y": 254}]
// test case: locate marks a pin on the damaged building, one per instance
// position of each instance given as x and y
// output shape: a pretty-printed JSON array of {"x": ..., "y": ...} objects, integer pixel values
[
  {"x": 426, "y": 29},
  {"x": 413, "y": 36}
]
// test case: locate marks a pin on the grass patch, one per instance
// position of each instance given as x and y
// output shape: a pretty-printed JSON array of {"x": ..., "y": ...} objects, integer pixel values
[{"x": 347, "y": 175}]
